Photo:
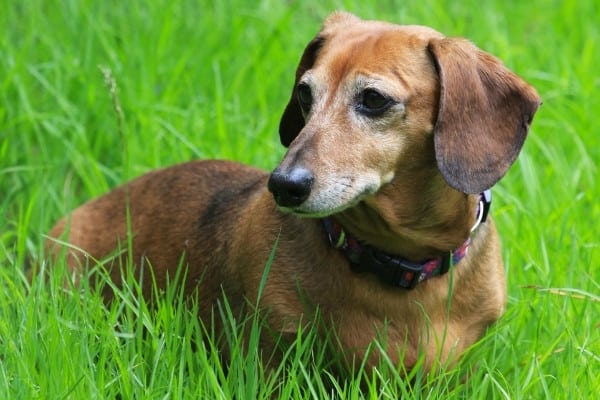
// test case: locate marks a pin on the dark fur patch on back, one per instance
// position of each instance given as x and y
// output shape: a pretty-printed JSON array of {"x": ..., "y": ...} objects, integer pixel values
[{"x": 229, "y": 200}]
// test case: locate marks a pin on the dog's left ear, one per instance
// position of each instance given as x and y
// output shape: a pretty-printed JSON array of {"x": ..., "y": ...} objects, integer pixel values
[
  {"x": 292, "y": 120},
  {"x": 485, "y": 111}
]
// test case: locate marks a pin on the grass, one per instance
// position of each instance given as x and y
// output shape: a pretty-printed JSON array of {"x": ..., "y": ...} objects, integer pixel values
[{"x": 203, "y": 80}]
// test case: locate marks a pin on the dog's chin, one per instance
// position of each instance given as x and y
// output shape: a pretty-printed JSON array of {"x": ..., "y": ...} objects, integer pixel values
[
  {"x": 315, "y": 209},
  {"x": 310, "y": 214}
]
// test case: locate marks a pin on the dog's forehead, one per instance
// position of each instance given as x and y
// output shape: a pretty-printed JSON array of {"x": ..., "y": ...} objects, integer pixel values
[
  {"x": 369, "y": 46},
  {"x": 377, "y": 32}
]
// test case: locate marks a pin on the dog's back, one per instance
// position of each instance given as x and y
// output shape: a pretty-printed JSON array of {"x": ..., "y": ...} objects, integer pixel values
[{"x": 168, "y": 217}]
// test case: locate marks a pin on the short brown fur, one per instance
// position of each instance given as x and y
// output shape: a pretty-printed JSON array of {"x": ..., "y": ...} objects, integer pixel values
[{"x": 406, "y": 182}]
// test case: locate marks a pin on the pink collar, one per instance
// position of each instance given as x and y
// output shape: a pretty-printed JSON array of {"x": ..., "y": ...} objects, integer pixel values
[{"x": 395, "y": 270}]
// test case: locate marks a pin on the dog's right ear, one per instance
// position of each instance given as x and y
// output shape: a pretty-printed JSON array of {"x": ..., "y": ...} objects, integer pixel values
[{"x": 292, "y": 120}]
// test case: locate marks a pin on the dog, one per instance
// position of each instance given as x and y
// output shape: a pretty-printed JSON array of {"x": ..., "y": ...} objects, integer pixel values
[{"x": 377, "y": 213}]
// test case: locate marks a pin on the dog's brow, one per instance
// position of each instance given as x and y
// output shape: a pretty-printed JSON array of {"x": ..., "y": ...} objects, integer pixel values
[
  {"x": 307, "y": 77},
  {"x": 398, "y": 75}
]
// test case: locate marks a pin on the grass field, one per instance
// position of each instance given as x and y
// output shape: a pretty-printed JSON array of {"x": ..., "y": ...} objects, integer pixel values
[{"x": 93, "y": 93}]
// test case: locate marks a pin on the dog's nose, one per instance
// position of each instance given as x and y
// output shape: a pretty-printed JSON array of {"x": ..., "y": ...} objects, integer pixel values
[{"x": 291, "y": 189}]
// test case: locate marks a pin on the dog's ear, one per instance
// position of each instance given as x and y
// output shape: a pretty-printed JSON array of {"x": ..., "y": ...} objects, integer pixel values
[
  {"x": 292, "y": 120},
  {"x": 484, "y": 115}
]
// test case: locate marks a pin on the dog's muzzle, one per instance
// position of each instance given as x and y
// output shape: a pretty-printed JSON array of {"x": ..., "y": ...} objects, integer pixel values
[{"x": 290, "y": 189}]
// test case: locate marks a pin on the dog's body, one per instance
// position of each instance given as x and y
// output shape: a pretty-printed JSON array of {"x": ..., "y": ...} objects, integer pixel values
[{"x": 393, "y": 132}]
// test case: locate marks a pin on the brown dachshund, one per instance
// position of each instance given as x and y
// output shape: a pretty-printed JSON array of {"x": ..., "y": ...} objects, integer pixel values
[{"x": 378, "y": 208}]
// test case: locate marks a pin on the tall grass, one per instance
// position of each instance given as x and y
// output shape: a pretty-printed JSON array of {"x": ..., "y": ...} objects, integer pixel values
[{"x": 200, "y": 79}]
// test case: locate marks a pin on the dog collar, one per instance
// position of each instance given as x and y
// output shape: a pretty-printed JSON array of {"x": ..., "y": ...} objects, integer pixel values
[{"x": 395, "y": 270}]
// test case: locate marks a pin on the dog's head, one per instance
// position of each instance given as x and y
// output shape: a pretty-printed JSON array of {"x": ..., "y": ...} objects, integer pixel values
[{"x": 374, "y": 101}]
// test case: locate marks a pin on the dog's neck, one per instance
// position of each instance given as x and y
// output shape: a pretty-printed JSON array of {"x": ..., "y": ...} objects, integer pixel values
[
  {"x": 396, "y": 270},
  {"x": 416, "y": 227}
]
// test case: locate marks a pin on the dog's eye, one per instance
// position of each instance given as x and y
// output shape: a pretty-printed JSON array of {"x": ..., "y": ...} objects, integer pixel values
[
  {"x": 374, "y": 103},
  {"x": 304, "y": 96}
]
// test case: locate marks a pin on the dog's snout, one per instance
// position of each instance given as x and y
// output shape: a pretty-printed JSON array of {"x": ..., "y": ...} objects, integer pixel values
[{"x": 291, "y": 189}]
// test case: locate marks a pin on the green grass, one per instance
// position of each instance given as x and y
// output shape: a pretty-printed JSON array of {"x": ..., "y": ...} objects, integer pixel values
[{"x": 202, "y": 80}]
